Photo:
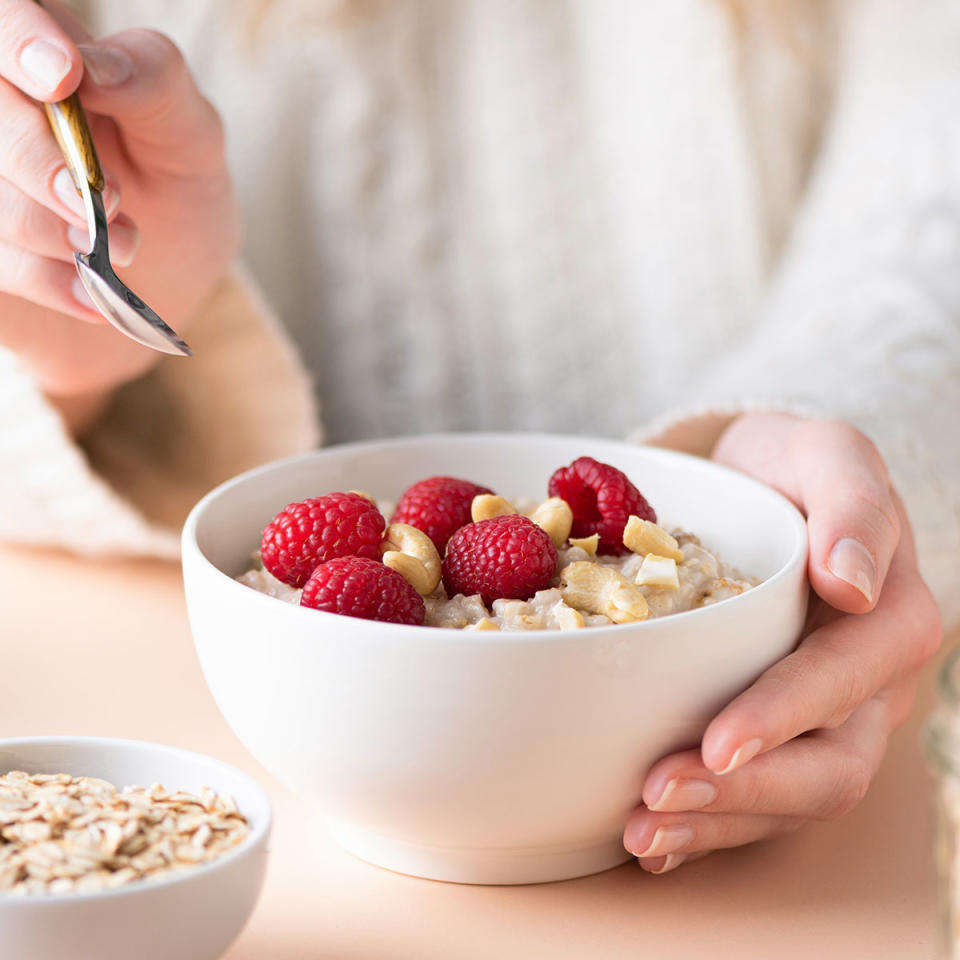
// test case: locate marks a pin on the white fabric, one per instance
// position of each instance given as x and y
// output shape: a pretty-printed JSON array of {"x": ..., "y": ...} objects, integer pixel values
[{"x": 593, "y": 215}]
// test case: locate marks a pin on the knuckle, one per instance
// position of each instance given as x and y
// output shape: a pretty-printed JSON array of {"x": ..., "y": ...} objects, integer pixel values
[
  {"x": 25, "y": 151},
  {"x": 848, "y": 789},
  {"x": 18, "y": 223},
  {"x": 161, "y": 49},
  {"x": 22, "y": 272},
  {"x": 878, "y": 499},
  {"x": 928, "y": 626},
  {"x": 17, "y": 25},
  {"x": 848, "y": 693}
]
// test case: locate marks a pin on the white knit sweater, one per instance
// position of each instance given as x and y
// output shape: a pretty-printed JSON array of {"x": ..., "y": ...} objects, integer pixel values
[{"x": 598, "y": 216}]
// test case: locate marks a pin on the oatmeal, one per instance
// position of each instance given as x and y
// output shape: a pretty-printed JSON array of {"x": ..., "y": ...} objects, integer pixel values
[
  {"x": 702, "y": 579},
  {"x": 463, "y": 557},
  {"x": 63, "y": 834}
]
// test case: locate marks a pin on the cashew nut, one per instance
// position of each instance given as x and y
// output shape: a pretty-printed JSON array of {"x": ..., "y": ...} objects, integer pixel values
[
  {"x": 412, "y": 554},
  {"x": 485, "y": 506},
  {"x": 566, "y": 617},
  {"x": 587, "y": 544},
  {"x": 658, "y": 572},
  {"x": 643, "y": 537},
  {"x": 556, "y": 518},
  {"x": 599, "y": 589}
]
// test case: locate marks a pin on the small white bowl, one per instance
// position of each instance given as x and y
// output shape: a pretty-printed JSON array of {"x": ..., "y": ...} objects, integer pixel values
[
  {"x": 484, "y": 757},
  {"x": 192, "y": 915}
]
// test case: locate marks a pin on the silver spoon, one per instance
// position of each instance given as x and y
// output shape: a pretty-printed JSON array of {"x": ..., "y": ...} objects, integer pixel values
[{"x": 120, "y": 305}]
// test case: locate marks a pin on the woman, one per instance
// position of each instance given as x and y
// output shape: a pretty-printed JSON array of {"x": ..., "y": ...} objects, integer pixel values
[{"x": 704, "y": 222}]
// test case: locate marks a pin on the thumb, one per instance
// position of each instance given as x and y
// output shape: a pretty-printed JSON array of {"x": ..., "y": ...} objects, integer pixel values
[
  {"x": 835, "y": 475},
  {"x": 140, "y": 78},
  {"x": 37, "y": 54},
  {"x": 852, "y": 514}
]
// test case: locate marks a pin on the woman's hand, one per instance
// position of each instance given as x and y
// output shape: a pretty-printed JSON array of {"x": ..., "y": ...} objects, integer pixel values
[
  {"x": 804, "y": 742},
  {"x": 174, "y": 222}
]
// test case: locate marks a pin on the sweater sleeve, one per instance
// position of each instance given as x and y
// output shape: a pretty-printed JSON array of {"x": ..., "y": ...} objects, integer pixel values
[
  {"x": 862, "y": 321},
  {"x": 164, "y": 440}
]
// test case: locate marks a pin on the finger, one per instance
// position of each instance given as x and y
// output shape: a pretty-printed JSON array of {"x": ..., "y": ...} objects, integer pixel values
[
  {"x": 140, "y": 78},
  {"x": 659, "y": 865},
  {"x": 36, "y": 53},
  {"x": 27, "y": 224},
  {"x": 31, "y": 160},
  {"x": 49, "y": 283},
  {"x": 820, "y": 776},
  {"x": 836, "y": 476},
  {"x": 834, "y": 670},
  {"x": 650, "y": 835},
  {"x": 852, "y": 518}
]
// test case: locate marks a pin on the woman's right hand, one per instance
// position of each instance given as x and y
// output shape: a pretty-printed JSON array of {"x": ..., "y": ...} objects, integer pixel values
[{"x": 174, "y": 221}]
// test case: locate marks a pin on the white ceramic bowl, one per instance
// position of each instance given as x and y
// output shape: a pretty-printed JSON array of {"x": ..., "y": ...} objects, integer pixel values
[
  {"x": 193, "y": 915},
  {"x": 483, "y": 757}
]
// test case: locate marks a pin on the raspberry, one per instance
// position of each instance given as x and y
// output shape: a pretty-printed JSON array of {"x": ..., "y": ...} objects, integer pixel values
[
  {"x": 439, "y": 506},
  {"x": 304, "y": 534},
  {"x": 364, "y": 588},
  {"x": 507, "y": 557},
  {"x": 601, "y": 498}
]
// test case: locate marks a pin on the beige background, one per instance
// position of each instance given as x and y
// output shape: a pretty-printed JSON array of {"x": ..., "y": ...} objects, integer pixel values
[{"x": 104, "y": 648}]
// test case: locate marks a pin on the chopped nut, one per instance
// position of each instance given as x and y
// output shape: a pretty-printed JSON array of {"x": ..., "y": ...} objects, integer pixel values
[
  {"x": 587, "y": 544},
  {"x": 658, "y": 572},
  {"x": 567, "y": 618},
  {"x": 643, "y": 537},
  {"x": 556, "y": 518},
  {"x": 485, "y": 624},
  {"x": 603, "y": 590},
  {"x": 485, "y": 506}
]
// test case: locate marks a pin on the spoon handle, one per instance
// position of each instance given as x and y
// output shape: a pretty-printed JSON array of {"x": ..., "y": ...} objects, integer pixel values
[{"x": 69, "y": 125}]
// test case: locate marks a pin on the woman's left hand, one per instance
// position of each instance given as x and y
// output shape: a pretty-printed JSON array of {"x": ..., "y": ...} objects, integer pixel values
[{"x": 804, "y": 742}]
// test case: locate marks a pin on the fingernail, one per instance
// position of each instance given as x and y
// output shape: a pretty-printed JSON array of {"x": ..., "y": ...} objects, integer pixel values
[
  {"x": 124, "y": 243},
  {"x": 666, "y": 840},
  {"x": 682, "y": 794},
  {"x": 66, "y": 192},
  {"x": 78, "y": 238},
  {"x": 80, "y": 294},
  {"x": 851, "y": 562},
  {"x": 741, "y": 756},
  {"x": 106, "y": 66},
  {"x": 668, "y": 863},
  {"x": 111, "y": 199},
  {"x": 45, "y": 64}
]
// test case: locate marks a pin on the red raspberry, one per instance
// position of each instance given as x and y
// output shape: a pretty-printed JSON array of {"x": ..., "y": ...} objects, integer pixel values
[
  {"x": 364, "y": 588},
  {"x": 304, "y": 534},
  {"x": 506, "y": 557},
  {"x": 601, "y": 498},
  {"x": 439, "y": 506}
]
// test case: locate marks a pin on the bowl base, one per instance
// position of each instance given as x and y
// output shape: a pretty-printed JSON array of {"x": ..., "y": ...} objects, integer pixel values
[{"x": 503, "y": 866}]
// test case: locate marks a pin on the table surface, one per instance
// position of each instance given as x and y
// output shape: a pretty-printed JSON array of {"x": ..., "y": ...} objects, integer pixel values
[{"x": 103, "y": 648}]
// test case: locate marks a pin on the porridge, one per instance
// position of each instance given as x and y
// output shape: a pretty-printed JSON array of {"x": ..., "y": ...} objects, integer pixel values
[{"x": 457, "y": 555}]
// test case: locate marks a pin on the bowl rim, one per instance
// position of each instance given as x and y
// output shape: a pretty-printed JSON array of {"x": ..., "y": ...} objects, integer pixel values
[
  {"x": 257, "y": 836},
  {"x": 798, "y": 556}
]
